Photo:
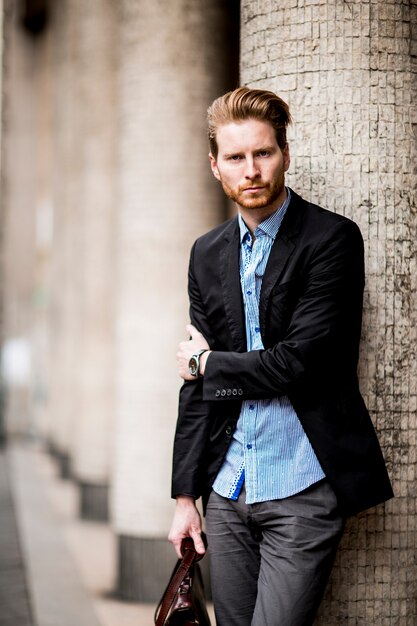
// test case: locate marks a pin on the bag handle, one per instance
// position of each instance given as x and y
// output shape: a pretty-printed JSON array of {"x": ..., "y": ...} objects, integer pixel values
[{"x": 189, "y": 556}]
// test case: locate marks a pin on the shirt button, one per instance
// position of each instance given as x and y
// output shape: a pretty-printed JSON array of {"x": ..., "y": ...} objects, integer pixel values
[
  {"x": 251, "y": 407},
  {"x": 249, "y": 446},
  {"x": 257, "y": 329},
  {"x": 249, "y": 293}
]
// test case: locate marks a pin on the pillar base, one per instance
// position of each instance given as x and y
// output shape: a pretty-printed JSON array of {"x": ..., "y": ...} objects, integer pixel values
[
  {"x": 52, "y": 449},
  {"x": 62, "y": 459},
  {"x": 64, "y": 464},
  {"x": 94, "y": 501},
  {"x": 145, "y": 566}
]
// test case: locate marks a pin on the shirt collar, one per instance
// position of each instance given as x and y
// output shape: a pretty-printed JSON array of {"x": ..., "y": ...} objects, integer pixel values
[{"x": 270, "y": 226}]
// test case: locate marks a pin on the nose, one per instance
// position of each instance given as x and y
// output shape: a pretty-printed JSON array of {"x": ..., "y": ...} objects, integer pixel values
[{"x": 251, "y": 168}]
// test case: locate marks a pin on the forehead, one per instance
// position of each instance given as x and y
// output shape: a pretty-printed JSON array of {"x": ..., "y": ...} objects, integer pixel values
[{"x": 245, "y": 135}]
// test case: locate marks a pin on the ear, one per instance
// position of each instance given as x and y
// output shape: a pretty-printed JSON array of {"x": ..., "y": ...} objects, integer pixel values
[
  {"x": 287, "y": 157},
  {"x": 214, "y": 168}
]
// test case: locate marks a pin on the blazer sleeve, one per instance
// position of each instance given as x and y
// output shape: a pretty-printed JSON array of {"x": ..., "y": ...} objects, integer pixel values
[
  {"x": 324, "y": 328},
  {"x": 193, "y": 423}
]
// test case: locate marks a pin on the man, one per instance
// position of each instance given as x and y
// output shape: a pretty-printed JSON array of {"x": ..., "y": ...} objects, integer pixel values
[{"x": 272, "y": 429}]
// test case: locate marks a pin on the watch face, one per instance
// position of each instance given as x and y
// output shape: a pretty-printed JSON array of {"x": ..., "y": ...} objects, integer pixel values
[{"x": 193, "y": 366}]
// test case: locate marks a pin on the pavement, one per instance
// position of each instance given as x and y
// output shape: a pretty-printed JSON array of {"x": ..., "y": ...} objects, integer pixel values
[
  {"x": 15, "y": 606},
  {"x": 55, "y": 569}
]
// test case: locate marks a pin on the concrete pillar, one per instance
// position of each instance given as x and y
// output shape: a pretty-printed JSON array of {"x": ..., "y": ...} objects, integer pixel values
[
  {"x": 95, "y": 366},
  {"x": 65, "y": 262},
  {"x": 18, "y": 218},
  {"x": 42, "y": 162},
  {"x": 174, "y": 61},
  {"x": 348, "y": 71}
]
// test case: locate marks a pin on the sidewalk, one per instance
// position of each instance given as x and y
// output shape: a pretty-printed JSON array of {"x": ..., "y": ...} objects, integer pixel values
[
  {"x": 63, "y": 573},
  {"x": 15, "y": 608}
]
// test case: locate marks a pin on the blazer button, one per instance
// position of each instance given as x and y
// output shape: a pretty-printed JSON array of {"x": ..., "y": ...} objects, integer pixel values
[
  {"x": 234, "y": 392},
  {"x": 217, "y": 394},
  {"x": 229, "y": 392},
  {"x": 223, "y": 393},
  {"x": 228, "y": 430},
  {"x": 240, "y": 392}
]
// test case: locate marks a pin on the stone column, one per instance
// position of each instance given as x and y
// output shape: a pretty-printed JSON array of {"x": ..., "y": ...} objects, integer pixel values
[
  {"x": 66, "y": 261},
  {"x": 348, "y": 71},
  {"x": 174, "y": 61},
  {"x": 42, "y": 162},
  {"x": 18, "y": 218},
  {"x": 95, "y": 366}
]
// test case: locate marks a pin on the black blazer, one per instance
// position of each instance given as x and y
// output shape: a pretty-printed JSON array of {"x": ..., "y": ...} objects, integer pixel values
[{"x": 310, "y": 317}]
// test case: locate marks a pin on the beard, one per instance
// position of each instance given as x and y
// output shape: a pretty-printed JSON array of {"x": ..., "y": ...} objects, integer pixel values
[{"x": 266, "y": 197}]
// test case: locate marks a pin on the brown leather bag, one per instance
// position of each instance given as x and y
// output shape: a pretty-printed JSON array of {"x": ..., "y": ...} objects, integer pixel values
[{"x": 183, "y": 602}]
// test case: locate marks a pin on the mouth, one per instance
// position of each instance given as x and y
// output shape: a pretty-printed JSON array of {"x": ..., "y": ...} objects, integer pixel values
[{"x": 253, "y": 189}]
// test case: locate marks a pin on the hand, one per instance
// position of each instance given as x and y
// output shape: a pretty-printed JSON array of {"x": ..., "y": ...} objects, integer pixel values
[
  {"x": 186, "y": 523},
  {"x": 188, "y": 348}
]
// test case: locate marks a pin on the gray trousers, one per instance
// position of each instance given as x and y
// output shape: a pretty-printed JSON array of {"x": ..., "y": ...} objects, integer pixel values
[{"x": 270, "y": 561}]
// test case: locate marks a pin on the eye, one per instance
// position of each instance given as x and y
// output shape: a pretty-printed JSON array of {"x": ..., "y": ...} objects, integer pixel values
[
  {"x": 264, "y": 153},
  {"x": 234, "y": 157}
]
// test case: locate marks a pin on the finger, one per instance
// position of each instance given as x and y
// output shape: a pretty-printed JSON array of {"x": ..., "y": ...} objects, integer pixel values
[
  {"x": 176, "y": 544},
  {"x": 177, "y": 547},
  {"x": 191, "y": 330},
  {"x": 198, "y": 542}
]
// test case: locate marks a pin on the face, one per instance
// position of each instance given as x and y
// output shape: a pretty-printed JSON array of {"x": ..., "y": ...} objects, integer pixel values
[{"x": 250, "y": 165}]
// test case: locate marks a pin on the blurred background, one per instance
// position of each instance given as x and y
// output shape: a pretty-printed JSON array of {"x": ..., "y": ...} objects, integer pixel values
[{"x": 105, "y": 184}]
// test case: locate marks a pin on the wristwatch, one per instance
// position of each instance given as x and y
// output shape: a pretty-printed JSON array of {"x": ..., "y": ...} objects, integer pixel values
[{"x": 194, "y": 363}]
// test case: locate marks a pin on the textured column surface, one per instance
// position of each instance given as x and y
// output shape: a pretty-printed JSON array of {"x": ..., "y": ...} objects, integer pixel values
[
  {"x": 18, "y": 217},
  {"x": 174, "y": 61},
  {"x": 65, "y": 261},
  {"x": 41, "y": 356},
  {"x": 349, "y": 73},
  {"x": 95, "y": 367}
]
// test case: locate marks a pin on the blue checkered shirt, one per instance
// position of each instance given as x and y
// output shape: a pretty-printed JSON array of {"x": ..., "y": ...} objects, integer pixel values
[{"x": 269, "y": 451}]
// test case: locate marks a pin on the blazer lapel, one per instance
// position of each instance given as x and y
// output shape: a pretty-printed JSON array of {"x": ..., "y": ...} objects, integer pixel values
[
  {"x": 281, "y": 251},
  {"x": 232, "y": 293}
]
